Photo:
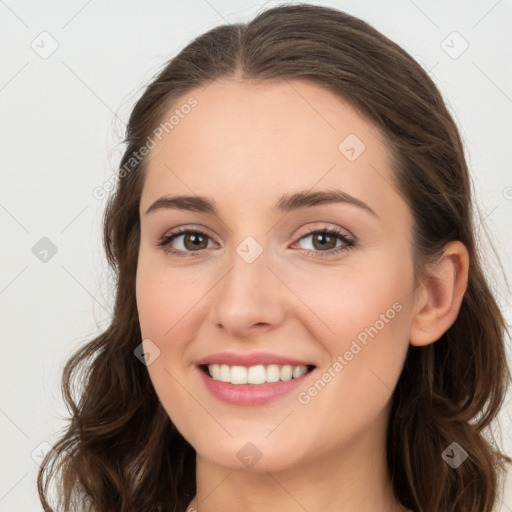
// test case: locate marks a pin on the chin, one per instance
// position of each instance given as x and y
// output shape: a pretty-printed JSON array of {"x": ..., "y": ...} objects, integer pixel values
[{"x": 257, "y": 456}]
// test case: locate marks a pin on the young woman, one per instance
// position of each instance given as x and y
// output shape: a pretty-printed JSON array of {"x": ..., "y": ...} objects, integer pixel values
[{"x": 302, "y": 321}]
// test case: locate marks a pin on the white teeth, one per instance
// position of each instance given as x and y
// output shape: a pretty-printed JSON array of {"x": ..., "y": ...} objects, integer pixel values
[
  {"x": 272, "y": 373},
  {"x": 258, "y": 374},
  {"x": 286, "y": 372},
  {"x": 221, "y": 372},
  {"x": 238, "y": 375},
  {"x": 298, "y": 371}
]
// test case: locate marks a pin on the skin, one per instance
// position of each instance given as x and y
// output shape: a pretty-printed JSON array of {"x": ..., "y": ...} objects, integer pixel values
[{"x": 245, "y": 145}]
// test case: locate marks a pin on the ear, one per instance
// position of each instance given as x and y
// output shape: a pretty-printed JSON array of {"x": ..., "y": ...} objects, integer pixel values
[{"x": 440, "y": 296}]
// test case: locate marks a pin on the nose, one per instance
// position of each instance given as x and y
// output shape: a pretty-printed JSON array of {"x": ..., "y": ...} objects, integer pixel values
[{"x": 250, "y": 298}]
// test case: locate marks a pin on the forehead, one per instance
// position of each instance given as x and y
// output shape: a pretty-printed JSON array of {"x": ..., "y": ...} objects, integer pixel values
[{"x": 258, "y": 140}]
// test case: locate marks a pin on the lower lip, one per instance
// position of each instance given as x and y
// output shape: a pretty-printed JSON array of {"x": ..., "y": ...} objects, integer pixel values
[{"x": 250, "y": 394}]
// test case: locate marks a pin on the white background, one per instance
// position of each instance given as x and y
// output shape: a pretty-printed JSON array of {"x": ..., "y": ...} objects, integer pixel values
[{"x": 62, "y": 123}]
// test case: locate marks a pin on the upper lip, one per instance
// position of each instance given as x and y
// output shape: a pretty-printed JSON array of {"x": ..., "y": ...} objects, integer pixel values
[{"x": 252, "y": 359}]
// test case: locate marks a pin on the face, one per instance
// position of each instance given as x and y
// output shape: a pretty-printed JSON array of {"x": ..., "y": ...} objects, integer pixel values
[{"x": 248, "y": 274}]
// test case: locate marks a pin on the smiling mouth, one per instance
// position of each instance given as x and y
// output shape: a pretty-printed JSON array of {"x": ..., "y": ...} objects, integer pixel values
[{"x": 257, "y": 374}]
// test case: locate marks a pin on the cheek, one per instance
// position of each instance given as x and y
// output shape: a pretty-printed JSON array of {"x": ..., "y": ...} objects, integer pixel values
[
  {"x": 346, "y": 301},
  {"x": 155, "y": 312},
  {"x": 162, "y": 305},
  {"x": 374, "y": 323},
  {"x": 164, "y": 298},
  {"x": 364, "y": 326}
]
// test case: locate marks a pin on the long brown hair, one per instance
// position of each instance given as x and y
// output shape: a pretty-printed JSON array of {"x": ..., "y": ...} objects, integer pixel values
[{"x": 122, "y": 453}]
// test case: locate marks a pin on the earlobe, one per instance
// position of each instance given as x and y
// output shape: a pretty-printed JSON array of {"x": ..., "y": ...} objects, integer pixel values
[{"x": 439, "y": 298}]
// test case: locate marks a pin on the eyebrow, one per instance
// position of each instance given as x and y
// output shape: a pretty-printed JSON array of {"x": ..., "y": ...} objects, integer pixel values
[{"x": 286, "y": 203}]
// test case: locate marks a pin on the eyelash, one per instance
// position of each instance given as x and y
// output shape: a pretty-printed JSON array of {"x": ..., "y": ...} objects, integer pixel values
[{"x": 348, "y": 241}]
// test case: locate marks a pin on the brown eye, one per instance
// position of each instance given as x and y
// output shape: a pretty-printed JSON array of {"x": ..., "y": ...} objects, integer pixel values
[
  {"x": 184, "y": 242},
  {"x": 192, "y": 242},
  {"x": 323, "y": 241},
  {"x": 195, "y": 241}
]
